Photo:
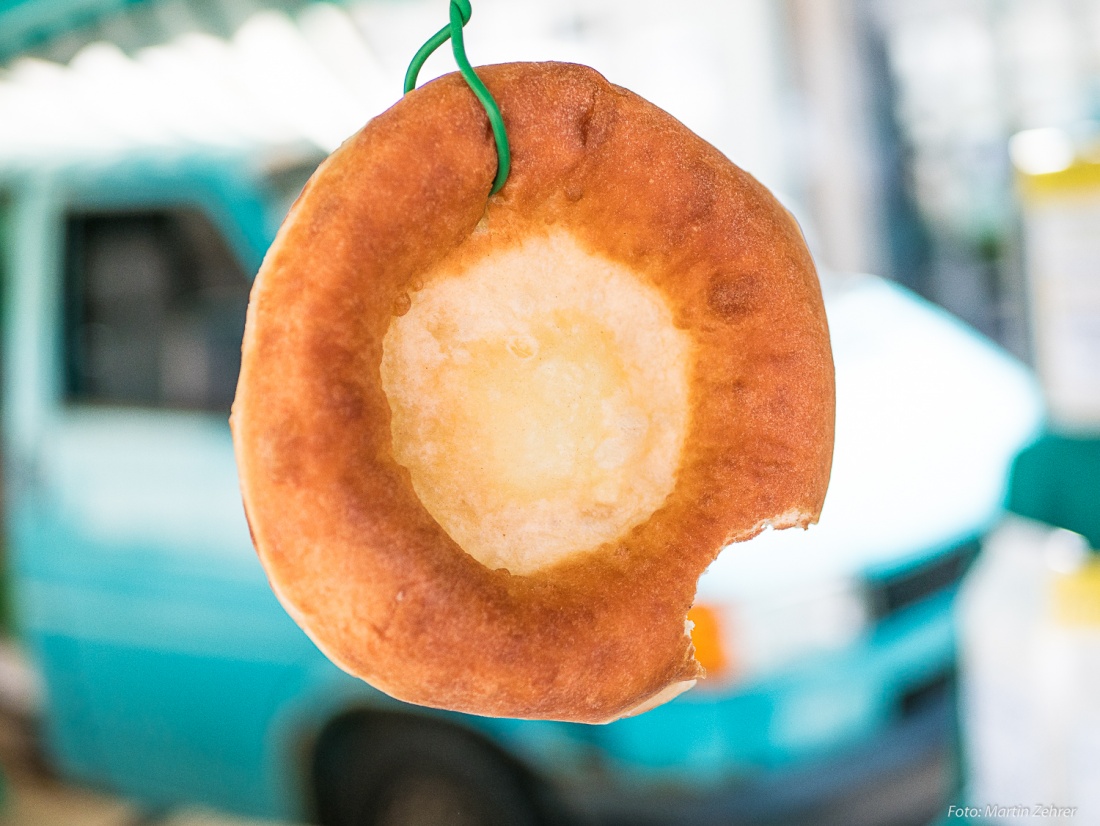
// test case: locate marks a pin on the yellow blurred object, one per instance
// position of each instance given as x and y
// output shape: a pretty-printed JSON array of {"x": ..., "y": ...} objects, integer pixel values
[
  {"x": 707, "y": 636},
  {"x": 1081, "y": 176},
  {"x": 1058, "y": 175},
  {"x": 1076, "y": 597}
]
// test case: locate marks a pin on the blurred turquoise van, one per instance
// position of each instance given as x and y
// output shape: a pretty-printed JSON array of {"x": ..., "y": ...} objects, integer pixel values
[{"x": 172, "y": 675}]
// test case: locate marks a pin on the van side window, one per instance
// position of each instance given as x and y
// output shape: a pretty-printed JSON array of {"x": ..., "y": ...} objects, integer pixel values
[{"x": 155, "y": 304}]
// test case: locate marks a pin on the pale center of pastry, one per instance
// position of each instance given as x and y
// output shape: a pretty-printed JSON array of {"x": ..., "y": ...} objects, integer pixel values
[{"x": 539, "y": 400}]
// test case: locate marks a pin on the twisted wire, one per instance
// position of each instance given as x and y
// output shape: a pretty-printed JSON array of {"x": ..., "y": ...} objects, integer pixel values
[{"x": 460, "y": 15}]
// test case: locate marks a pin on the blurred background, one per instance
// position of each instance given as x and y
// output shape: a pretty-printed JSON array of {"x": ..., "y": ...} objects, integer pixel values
[{"x": 929, "y": 653}]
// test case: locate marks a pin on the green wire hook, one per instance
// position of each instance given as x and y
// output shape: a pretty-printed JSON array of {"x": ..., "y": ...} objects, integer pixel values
[{"x": 460, "y": 16}]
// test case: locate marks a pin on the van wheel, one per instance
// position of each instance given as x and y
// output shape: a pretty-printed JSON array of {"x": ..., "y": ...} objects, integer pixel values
[{"x": 401, "y": 772}]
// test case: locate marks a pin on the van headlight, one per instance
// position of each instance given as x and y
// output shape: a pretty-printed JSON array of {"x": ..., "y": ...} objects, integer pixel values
[{"x": 750, "y": 637}]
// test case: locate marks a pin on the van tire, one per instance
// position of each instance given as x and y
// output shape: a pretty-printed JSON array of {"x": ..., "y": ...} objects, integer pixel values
[{"x": 394, "y": 771}]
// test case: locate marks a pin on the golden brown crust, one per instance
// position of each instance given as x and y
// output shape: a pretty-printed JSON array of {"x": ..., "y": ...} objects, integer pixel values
[{"x": 347, "y": 545}]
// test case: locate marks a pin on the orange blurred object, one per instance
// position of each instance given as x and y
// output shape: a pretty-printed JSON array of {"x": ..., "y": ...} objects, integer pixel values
[{"x": 710, "y": 648}]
